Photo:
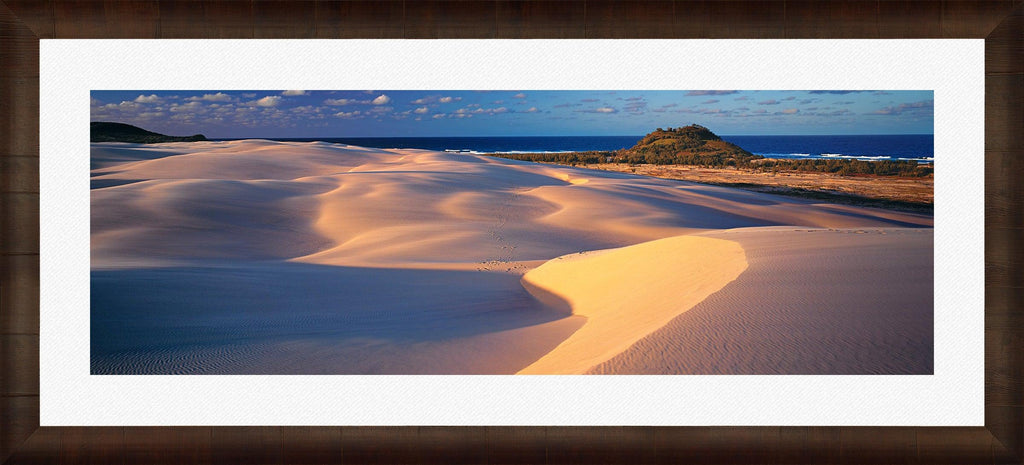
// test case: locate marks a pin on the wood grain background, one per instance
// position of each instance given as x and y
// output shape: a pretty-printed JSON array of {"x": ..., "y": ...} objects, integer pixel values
[{"x": 24, "y": 22}]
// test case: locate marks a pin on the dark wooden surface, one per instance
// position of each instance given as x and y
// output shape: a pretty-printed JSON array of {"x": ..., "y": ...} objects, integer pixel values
[{"x": 23, "y": 22}]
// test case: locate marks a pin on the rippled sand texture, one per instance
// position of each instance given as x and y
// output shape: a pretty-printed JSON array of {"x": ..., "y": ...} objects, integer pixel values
[{"x": 263, "y": 257}]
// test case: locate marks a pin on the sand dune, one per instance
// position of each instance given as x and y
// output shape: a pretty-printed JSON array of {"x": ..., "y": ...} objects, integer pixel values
[
  {"x": 327, "y": 258},
  {"x": 628, "y": 293},
  {"x": 813, "y": 301}
]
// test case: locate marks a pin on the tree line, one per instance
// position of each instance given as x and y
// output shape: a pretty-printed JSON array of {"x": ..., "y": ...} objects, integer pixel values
[{"x": 756, "y": 163}]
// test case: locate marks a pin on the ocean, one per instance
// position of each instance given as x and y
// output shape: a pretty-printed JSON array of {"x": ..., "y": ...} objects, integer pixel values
[{"x": 919, "y": 147}]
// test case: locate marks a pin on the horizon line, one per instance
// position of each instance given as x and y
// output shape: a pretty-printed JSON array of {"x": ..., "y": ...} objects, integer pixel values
[{"x": 567, "y": 135}]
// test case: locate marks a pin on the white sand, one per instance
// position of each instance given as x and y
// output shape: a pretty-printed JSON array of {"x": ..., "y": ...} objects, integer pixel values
[{"x": 281, "y": 257}]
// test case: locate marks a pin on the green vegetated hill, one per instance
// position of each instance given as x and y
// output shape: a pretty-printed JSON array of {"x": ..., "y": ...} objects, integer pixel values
[
  {"x": 688, "y": 145},
  {"x": 696, "y": 145},
  {"x": 103, "y": 131}
]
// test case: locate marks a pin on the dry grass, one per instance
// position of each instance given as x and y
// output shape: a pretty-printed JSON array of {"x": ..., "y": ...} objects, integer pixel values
[{"x": 912, "y": 194}]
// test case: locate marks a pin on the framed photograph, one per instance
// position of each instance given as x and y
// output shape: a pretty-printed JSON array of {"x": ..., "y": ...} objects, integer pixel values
[{"x": 673, "y": 243}]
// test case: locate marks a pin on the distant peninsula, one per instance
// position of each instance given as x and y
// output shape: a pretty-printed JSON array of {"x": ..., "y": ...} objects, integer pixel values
[
  {"x": 697, "y": 146},
  {"x": 103, "y": 131},
  {"x": 694, "y": 153}
]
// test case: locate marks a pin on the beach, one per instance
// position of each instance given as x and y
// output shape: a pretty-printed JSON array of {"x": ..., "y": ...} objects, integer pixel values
[{"x": 269, "y": 257}]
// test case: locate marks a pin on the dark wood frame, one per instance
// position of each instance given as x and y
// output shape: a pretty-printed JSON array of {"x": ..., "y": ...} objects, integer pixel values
[{"x": 23, "y": 22}]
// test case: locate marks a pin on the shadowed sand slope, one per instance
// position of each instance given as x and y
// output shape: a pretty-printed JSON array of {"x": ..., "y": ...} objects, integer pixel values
[
  {"x": 257, "y": 256},
  {"x": 295, "y": 318}
]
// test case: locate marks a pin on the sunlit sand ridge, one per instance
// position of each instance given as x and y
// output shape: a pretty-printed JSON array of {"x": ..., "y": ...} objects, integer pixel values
[
  {"x": 628, "y": 293},
  {"x": 283, "y": 257}
]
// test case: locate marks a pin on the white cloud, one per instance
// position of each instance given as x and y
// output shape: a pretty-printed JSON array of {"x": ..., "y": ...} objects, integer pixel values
[
  {"x": 292, "y": 93},
  {"x": 532, "y": 110},
  {"x": 95, "y": 101},
  {"x": 790, "y": 111},
  {"x": 922, "y": 108},
  {"x": 148, "y": 99},
  {"x": 381, "y": 100},
  {"x": 337, "y": 102},
  {"x": 190, "y": 107},
  {"x": 349, "y": 115},
  {"x": 519, "y": 95},
  {"x": 435, "y": 99},
  {"x": 420, "y": 110},
  {"x": 438, "y": 116},
  {"x": 218, "y": 97},
  {"x": 268, "y": 101},
  {"x": 464, "y": 112},
  {"x": 604, "y": 110}
]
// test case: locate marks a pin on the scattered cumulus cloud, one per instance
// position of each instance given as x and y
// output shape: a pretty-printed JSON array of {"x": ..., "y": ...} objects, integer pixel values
[
  {"x": 292, "y": 93},
  {"x": 381, "y": 100},
  {"x": 218, "y": 97},
  {"x": 922, "y": 108},
  {"x": 636, "y": 107},
  {"x": 190, "y": 107},
  {"x": 519, "y": 95},
  {"x": 149, "y": 99},
  {"x": 531, "y": 110},
  {"x": 420, "y": 110},
  {"x": 268, "y": 101},
  {"x": 435, "y": 99},
  {"x": 604, "y": 110}
]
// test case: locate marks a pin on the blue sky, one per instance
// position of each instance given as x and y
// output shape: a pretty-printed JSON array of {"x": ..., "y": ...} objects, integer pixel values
[{"x": 405, "y": 113}]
